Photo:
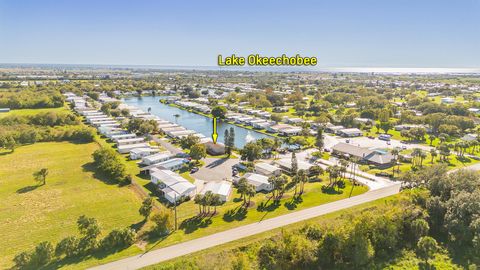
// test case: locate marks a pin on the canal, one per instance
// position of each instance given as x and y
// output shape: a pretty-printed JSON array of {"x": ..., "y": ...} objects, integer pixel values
[{"x": 193, "y": 121}]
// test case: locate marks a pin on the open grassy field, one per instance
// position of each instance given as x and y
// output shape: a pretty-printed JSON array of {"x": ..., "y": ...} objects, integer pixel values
[
  {"x": 33, "y": 111},
  {"x": 30, "y": 213}
]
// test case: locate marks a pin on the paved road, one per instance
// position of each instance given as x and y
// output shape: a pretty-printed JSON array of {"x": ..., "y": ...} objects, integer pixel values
[
  {"x": 170, "y": 252},
  {"x": 170, "y": 147},
  {"x": 216, "y": 169}
]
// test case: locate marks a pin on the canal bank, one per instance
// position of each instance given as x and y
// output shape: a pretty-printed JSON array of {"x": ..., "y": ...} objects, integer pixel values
[{"x": 194, "y": 121}]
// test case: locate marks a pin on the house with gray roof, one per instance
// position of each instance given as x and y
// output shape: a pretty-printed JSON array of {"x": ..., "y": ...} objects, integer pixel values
[{"x": 374, "y": 157}]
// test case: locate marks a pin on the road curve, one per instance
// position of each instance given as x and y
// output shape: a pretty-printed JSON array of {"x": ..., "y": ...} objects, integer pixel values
[{"x": 184, "y": 248}]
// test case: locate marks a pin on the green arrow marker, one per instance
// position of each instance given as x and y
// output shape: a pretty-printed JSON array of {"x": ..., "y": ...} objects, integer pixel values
[{"x": 214, "y": 134}]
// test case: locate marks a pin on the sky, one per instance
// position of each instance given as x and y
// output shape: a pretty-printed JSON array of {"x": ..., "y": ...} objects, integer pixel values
[{"x": 381, "y": 33}]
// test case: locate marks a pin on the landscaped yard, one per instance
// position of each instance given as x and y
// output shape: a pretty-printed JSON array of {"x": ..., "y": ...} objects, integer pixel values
[{"x": 31, "y": 214}]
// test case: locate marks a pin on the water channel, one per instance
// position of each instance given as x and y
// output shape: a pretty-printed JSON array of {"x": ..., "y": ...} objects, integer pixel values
[{"x": 193, "y": 121}]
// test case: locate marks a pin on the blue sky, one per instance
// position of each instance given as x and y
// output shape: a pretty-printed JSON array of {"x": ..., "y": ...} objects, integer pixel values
[{"x": 382, "y": 33}]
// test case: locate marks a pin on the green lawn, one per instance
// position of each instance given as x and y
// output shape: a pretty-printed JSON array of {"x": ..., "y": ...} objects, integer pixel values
[
  {"x": 30, "y": 214},
  {"x": 33, "y": 111}
]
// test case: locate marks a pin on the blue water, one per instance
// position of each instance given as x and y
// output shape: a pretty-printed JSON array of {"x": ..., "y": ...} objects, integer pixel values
[{"x": 193, "y": 121}]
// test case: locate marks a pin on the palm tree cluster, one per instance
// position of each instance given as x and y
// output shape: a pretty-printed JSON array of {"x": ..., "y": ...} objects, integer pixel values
[
  {"x": 418, "y": 156},
  {"x": 300, "y": 178},
  {"x": 246, "y": 190},
  {"x": 206, "y": 201},
  {"x": 278, "y": 183}
]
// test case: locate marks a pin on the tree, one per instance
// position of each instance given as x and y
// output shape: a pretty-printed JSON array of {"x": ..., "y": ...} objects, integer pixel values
[
  {"x": 251, "y": 151},
  {"x": 189, "y": 141},
  {"x": 219, "y": 112},
  {"x": 41, "y": 175},
  {"x": 420, "y": 228},
  {"x": 88, "y": 227},
  {"x": 319, "y": 143},
  {"x": 426, "y": 248},
  {"x": 68, "y": 247},
  {"x": 22, "y": 260},
  {"x": 242, "y": 187},
  {"x": 146, "y": 207},
  {"x": 433, "y": 154},
  {"x": 303, "y": 178},
  {"x": 107, "y": 161},
  {"x": 251, "y": 191},
  {"x": 386, "y": 126},
  {"x": 215, "y": 201},
  {"x": 199, "y": 201},
  {"x": 163, "y": 223},
  {"x": 43, "y": 253},
  {"x": 10, "y": 143},
  {"x": 294, "y": 164},
  {"x": 198, "y": 151}
]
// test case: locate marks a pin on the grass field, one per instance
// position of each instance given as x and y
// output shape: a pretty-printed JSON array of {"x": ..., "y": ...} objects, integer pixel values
[
  {"x": 33, "y": 111},
  {"x": 30, "y": 214}
]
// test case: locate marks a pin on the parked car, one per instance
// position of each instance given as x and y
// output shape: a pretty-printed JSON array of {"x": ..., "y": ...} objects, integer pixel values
[{"x": 194, "y": 170}]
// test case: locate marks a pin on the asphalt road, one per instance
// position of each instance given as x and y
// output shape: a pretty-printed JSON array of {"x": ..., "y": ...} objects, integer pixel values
[{"x": 184, "y": 248}]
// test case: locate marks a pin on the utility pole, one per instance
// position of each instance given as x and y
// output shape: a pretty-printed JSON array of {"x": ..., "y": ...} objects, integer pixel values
[{"x": 175, "y": 209}]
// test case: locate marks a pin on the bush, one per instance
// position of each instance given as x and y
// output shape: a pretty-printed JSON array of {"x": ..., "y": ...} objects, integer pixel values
[
  {"x": 108, "y": 162},
  {"x": 163, "y": 223},
  {"x": 118, "y": 239},
  {"x": 68, "y": 247},
  {"x": 43, "y": 254}
]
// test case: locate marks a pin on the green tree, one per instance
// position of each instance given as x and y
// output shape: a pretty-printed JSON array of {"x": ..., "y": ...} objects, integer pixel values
[
  {"x": 251, "y": 151},
  {"x": 189, "y": 141},
  {"x": 319, "y": 143},
  {"x": 219, "y": 112},
  {"x": 41, "y": 176},
  {"x": 68, "y": 247},
  {"x": 43, "y": 253},
  {"x": 420, "y": 228},
  {"x": 198, "y": 151},
  {"x": 163, "y": 223},
  {"x": 146, "y": 208},
  {"x": 426, "y": 248}
]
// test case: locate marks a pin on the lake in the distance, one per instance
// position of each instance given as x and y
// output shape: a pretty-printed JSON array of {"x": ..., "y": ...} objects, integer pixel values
[{"x": 193, "y": 121}]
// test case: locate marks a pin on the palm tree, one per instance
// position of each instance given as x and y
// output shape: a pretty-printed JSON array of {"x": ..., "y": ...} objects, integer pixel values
[
  {"x": 242, "y": 189},
  {"x": 432, "y": 138},
  {"x": 302, "y": 178},
  {"x": 416, "y": 153},
  {"x": 433, "y": 154},
  {"x": 41, "y": 175},
  {"x": 296, "y": 181},
  {"x": 251, "y": 191},
  {"x": 395, "y": 152},
  {"x": 422, "y": 156},
  {"x": 343, "y": 167},
  {"x": 215, "y": 201},
  {"x": 176, "y": 117},
  {"x": 198, "y": 200},
  {"x": 208, "y": 199}
]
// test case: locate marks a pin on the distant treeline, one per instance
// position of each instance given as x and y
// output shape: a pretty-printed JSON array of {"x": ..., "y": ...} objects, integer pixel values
[
  {"x": 31, "y": 99},
  {"x": 42, "y": 127}
]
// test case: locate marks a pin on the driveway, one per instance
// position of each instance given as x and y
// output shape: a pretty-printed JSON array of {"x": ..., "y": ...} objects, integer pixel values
[
  {"x": 181, "y": 249},
  {"x": 216, "y": 169}
]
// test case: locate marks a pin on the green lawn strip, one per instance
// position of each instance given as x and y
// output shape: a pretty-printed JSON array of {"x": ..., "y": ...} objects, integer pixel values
[{"x": 31, "y": 214}]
